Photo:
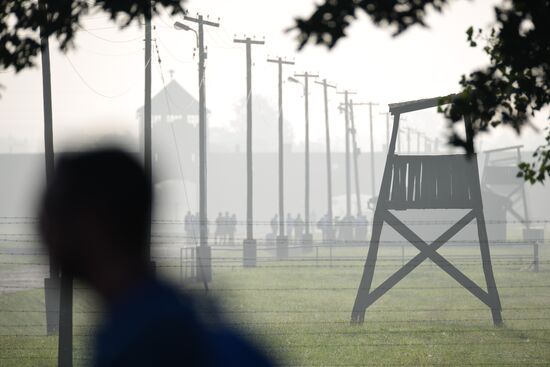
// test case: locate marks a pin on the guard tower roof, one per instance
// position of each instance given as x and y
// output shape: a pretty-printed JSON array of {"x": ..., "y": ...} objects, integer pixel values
[{"x": 420, "y": 104}]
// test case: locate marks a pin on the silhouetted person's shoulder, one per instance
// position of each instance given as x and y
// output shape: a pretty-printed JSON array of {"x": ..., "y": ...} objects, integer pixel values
[
  {"x": 95, "y": 221},
  {"x": 155, "y": 325}
]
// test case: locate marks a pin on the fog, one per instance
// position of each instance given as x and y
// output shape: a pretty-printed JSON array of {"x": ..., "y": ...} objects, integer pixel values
[
  {"x": 98, "y": 98},
  {"x": 98, "y": 88}
]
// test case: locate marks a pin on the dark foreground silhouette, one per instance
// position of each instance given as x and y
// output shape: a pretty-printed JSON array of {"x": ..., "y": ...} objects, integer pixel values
[{"x": 96, "y": 220}]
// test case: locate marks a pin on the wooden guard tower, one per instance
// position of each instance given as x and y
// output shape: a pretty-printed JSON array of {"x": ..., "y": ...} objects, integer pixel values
[
  {"x": 427, "y": 182},
  {"x": 500, "y": 172}
]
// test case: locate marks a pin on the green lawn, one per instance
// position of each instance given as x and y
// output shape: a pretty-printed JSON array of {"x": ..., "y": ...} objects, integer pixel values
[{"x": 299, "y": 311}]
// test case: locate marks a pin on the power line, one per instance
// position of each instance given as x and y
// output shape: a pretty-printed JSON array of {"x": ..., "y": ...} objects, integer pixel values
[
  {"x": 89, "y": 86},
  {"x": 110, "y": 40}
]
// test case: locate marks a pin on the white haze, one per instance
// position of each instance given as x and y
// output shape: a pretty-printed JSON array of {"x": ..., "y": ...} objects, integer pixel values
[{"x": 98, "y": 87}]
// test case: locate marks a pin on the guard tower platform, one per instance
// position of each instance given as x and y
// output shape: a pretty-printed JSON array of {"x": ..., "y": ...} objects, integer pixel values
[
  {"x": 500, "y": 179},
  {"x": 427, "y": 182}
]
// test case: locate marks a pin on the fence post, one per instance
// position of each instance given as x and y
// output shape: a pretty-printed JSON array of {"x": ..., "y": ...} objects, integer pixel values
[{"x": 535, "y": 256}]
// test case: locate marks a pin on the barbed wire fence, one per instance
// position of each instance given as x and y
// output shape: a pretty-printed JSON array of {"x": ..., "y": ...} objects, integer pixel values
[{"x": 299, "y": 326}]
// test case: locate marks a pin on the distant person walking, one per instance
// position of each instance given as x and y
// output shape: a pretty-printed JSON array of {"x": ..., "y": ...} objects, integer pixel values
[
  {"x": 299, "y": 225},
  {"x": 95, "y": 222},
  {"x": 289, "y": 226},
  {"x": 274, "y": 225},
  {"x": 347, "y": 228},
  {"x": 218, "y": 234},
  {"x": 339, "y": 232},
  {"x": 232, "y": 228},
  {"x": 226, "y": 228},
  {"x": 323, "y": 226}
]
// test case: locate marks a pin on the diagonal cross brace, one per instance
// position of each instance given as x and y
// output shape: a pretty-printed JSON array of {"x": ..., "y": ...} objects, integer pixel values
[
  {"x": 430, "y": 251},
  {"x": 514, "y": 213},
  {"x": 411, "y": 264}
]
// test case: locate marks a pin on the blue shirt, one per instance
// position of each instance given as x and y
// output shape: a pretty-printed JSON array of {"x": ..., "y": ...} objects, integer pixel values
[{"x": 155, "y": 325}]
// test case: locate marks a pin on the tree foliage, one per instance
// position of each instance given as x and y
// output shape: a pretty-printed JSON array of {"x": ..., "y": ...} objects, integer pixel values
[
  {"x": 508, "y": 92},
  {"x": 22, "y": 21}
]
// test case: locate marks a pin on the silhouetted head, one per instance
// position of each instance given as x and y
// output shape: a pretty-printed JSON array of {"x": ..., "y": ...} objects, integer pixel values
[{"x": 96, "y": 214}]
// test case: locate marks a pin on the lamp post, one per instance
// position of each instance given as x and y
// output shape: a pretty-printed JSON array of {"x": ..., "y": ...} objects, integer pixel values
[
  {"x": 204, "y": 268},
  {"x": 307, "y": 238},
  {"x": 282, "y": 240},
  {"x": 249, "y": 244}
]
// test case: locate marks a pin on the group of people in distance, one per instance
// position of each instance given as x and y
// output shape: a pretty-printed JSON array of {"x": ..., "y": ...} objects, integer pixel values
[
  {"x": 295, "y": 227},
  {"x": 191, "y": 225},
  {"x": 345, "y": 229},
  {"x": 226, "y": 227},
  {"x": 342, "y": 229}
]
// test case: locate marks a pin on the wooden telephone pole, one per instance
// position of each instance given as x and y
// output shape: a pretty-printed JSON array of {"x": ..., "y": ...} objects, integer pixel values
[
  {"x": 387, "y": 114},
  {"x": 249, "y": 244},
  {"x": 282, "y": 240},
  {"x": 58, "y": 288},
  {"x": 307, "y": 237},
  {"x": 418, "y": 134},
  {"x": 330, "y": 229},
  {"x": 346, "y": 94},
  {"x": 408, "y": 130},
  {"x": 355, "y": 158},
  {"x": 147, "y": 132},
  {"x": 371, "y": 131},
  {"x": 204, "y": 257}
]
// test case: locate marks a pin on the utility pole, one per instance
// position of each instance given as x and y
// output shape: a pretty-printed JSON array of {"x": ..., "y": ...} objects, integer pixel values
[
  {"x": 387, "y": 128},
  {"x": 307, "y": 239},
  {"x": 399, "y": 133},
  {"x": 373, "y": 178},
  {"x": 147, "y": 102},
  {"x": 51, "y": 284},
  {"x": 249, "y": 244},
  {"x": 346, "y": 94},
  {"x": 147, "y": 127},
  {"x": 204, "y": 258},
  {"x": 427, "y": 144},
  {"x": 58, "y": 290},
  {"x": 282, "y": 240},
  {"x": 355, "y": 157},
  {"x": 371, "y": 130},
  {"x": 330, "y": 230}
]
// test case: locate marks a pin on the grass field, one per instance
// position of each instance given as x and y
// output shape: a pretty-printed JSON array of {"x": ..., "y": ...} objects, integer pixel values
[{"x": 299, "y": 311}]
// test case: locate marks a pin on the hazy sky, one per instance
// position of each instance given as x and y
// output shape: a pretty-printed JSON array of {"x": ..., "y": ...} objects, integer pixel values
[{"x": 98, "y": 87}]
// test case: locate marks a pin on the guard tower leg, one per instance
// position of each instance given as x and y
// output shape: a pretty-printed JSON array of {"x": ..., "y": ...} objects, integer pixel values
[
  {"x": 359, "y": 307},
  {"x": 488, "y": 268}
]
